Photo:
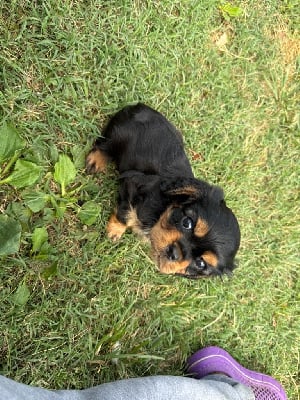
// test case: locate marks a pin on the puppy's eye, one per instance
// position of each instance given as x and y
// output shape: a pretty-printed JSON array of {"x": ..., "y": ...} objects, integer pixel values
[
  {"x": 200, "y": 263},
  {"x": 187, "y": 223}
]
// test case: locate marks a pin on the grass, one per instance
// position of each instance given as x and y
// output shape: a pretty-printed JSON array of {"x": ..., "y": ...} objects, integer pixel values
[{"x": 231, "y": 84}]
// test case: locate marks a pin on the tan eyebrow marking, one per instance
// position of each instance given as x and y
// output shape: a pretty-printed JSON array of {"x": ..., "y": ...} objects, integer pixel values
[
  {"x": 201, "y": 228},
  {"x": 210, "y": 258}
]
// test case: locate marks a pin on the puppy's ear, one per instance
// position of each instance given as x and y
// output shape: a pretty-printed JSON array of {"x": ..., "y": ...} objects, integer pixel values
[
  {"x": 180, "y": 187},
  {"x": 217, "y": 194},
  {"x": 192, "y": 189}
]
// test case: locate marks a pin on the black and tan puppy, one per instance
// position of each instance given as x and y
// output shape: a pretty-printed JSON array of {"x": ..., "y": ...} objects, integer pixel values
[{"x": 192, "y": 231}]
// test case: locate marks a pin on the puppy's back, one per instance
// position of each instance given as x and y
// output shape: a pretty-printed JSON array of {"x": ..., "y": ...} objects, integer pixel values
[{"x": 140, "y": 138}]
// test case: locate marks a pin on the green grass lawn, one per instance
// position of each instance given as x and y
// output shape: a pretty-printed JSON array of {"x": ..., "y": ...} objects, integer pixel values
[{"x": 81, "y": 310}]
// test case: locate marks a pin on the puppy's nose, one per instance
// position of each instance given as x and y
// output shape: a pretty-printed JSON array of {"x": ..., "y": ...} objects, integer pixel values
[
  {"x": 173, "y": 252},
  {"x": 198, "y": 268}
]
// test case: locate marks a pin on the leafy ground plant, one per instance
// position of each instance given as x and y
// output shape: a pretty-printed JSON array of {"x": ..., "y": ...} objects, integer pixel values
[
  {"x": 20, "y": 173},
  {"x": 77, "y": 309},
  {"x": 25, "y": 173}
]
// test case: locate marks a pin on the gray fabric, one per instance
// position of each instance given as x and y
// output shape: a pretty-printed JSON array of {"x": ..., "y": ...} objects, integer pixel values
[{"x": 212, "y": 387}]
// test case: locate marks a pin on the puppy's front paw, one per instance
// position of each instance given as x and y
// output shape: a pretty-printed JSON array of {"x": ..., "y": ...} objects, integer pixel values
[
  {"x": 115, "y": 228},
  {"x": 96, "y": 161}
]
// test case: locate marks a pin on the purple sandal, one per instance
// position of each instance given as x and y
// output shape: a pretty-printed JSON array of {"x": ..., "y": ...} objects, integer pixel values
[{"x": 214, "y": 359}]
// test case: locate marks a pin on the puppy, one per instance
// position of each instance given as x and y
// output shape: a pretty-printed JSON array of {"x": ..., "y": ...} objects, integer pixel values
[{"x": 191, "y": 230}]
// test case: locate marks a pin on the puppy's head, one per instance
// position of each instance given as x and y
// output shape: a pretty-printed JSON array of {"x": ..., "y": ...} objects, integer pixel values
[{"x": 197, "y": 235}]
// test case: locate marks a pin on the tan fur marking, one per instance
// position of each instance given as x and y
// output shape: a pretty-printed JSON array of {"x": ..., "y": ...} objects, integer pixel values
[
  {"x": 133, "y": 222},
  {"x": 201, "y": 228},
  {"x": 210, "y": 258},
  {"x": 115, "y": 228},
  {"x": 97, "y": 161},
  {"x": 173, "y": 267},
  {"x": 163, "y": 235},
  {"x": 187, "y": 190}
]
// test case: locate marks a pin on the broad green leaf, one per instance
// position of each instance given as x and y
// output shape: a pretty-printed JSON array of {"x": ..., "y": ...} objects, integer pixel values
[
  {"x": 79, "y": 154},
  {"x": 10, "y": 234},
  {"x": 35, "y": 200},
  {"x": 39, "y": 237},
  {"x": 24, "y": 174},
  {"x": 19, "y": 212},
  {"x": 231, "y": 10},
  {"x": 64, "y": 172},
  {"x": 50, "y": 271},
  {"x": 48, "y": 215},
  {"x": 45, "y": 252},
  {"x": 61, "y": 209},
  {"x": 22, "y": 295},
  {"x": 89, "y": 212},
  {"x": 10, "y": 142}
]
